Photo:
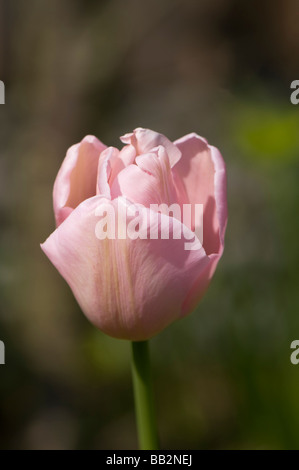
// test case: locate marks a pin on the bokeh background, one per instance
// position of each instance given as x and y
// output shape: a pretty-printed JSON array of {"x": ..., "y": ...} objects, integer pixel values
[{"x": 222, "y": 68}]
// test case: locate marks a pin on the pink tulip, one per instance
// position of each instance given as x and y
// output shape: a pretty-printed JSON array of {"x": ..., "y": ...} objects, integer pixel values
[{"x": 133, "y": 288}]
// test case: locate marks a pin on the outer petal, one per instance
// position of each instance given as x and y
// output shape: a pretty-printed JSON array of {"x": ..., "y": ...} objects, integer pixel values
[
  {"x": 145, "y": 141},
  {"x": 76, "y": 179},
  {"x": 129, "y": 289},
  {"x": 202, "y": 171},
  {"x": 220, "y": 192}
]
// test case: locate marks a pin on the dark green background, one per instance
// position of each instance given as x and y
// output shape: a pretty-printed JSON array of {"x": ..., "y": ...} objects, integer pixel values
[{"x": 223, "y": 69}]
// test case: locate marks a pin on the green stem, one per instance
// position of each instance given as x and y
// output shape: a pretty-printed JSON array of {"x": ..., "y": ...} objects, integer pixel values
[{"x": 144, "y": 402}]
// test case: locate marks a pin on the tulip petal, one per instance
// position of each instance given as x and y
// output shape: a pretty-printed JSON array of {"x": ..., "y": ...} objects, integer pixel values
[
  {"x": 125, "y": 157},
  {"x": 155, "y": 180},
  {"x": 104, "y": 171},
  {"x": 220, "y": 192},
  {"x": 129, "y": 289},
  {"x": 145, "y": 141},
  {"x": 202, "y": 171},
  {"x": 125, "y": 184},
  {"x": 111, "y": 162},
  {"x": 76, "y": 179},
  {"x": 199, "y": 287}
]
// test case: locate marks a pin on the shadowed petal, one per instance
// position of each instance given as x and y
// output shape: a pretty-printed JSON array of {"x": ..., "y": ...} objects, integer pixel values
[{"x": 202, "y": 171}]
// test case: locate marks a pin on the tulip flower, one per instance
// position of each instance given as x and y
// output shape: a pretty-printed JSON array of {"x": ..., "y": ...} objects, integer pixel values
[{"x": 130, "y": 284}]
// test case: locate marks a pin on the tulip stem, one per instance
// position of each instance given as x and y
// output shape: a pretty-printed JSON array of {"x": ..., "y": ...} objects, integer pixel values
[{"x": 143, "y": 393}]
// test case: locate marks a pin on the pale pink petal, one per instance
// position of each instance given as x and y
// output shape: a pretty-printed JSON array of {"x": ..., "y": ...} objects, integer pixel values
[
  {"x": 157, "y": 164},
  {"x": 220, "y": 191},
  {"x": 199, "y": 287},
  {"x": 104, "y": 171},
  {"x": 148, "y": 182},
  {"x": 129, "y": 289},
  {"x": 124, "y": 158},
  {"x": 127, "y": 155},
  {"x": 137, "y": 186},
  {"x": 202, "y": 171},
  {"x": 76, "y": 179},
  {"x": 145, "y": 141},
  {"x": 111, "y": 162}
]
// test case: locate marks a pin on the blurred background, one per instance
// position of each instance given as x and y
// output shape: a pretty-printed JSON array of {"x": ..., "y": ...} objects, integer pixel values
[{"x": 221, "y": 68}]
